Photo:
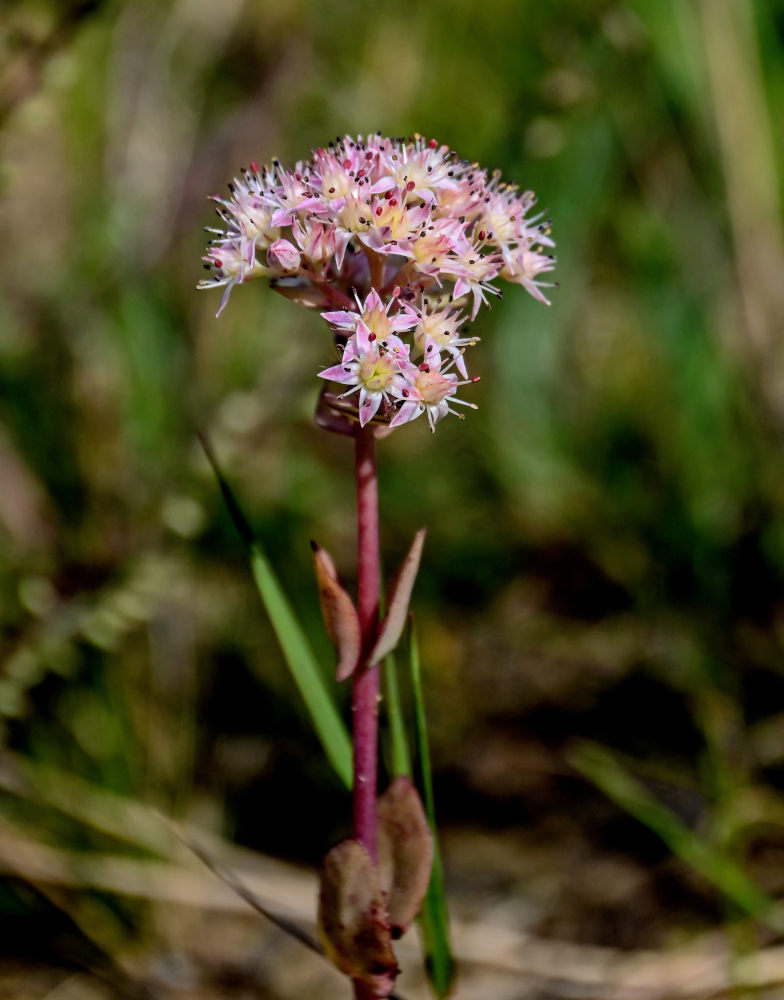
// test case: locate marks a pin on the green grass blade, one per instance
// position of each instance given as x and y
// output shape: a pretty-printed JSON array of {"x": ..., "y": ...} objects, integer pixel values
[
  {"x": 401, "y": 755},
  {"x": 434, "y": 919},
  {"x": 329, "y": 726},
  {"x": 608, "y": 774},
  {"x": 326, "y": 720},
  {"x": 126, "y": 819}
]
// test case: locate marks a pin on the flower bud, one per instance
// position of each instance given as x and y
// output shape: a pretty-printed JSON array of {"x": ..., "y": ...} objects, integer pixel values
[{"x": 284, "y": 255}]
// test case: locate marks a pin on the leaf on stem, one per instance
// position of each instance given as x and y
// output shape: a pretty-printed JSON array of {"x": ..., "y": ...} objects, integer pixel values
[
  {"x": 399, "y": 597},
  {"x": 335, "y": 414},
  {"x": 299, "y": 290},
  {"x": 340, "y": 615},
  {"x": 352, "y": 918},
  {"x": 405, "y": 852}
]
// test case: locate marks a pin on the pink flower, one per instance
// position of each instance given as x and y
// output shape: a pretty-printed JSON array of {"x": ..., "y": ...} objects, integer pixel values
[
  {"x": 365, "y": 229},
  {"x": 524, "y": 268},
  {"x": 231, "y": 268},
  {"x": 374, "y": 317},
  {"x": 249, "y": 219},
  {"x": 440, "y": 331},
  {"x": 288, "y": 193},
  {"x": 473, "y": 273},
  {"x": 392, "y": 222},
  {"x": 421, "y": 167},
  {"x": 431, "y": 390},
  {"x": 433, "y": 248},
  {"x": 377, "y": 370}
]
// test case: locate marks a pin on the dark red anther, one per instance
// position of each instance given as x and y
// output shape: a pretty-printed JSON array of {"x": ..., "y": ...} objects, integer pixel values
[
  {"x": 410, "y": 186},
  {"x": 379, "y": 210},
  {"x": 482, "y": 234},
  {"x": 432, "y": 144},
  {"x": 393, "y": 202},
  {"x": 476, "y": 378},
  {"x": 371, "y": 337},
  {"x": 424, "y": 368},
  {"x": 254, "y": 166},
  {"x": 346, "y": 164},
  {"x": 219, "y": 263}
]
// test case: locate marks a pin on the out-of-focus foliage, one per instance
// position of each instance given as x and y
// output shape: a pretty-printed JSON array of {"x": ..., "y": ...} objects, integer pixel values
[{"x": 605, "y": 556}]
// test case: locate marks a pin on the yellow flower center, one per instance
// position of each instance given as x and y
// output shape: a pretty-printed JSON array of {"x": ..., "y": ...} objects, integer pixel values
[{"x": 377, "y": 372}]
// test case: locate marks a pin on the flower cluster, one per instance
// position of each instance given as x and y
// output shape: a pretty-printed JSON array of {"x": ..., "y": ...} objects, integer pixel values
[{"x": 399, "y": 242}]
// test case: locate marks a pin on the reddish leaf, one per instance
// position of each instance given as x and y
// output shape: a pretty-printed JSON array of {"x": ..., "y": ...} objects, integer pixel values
[
  {"x": 352, "y": 918},
  {"x": 399, "y": 597},
  {"x": 340, "y": 616},
  {"x": 299, "y": 290},
  {"x": 333, "y": 414},
  {"x": 339, "y": 415},
  {"x": 405, "y": 852}
]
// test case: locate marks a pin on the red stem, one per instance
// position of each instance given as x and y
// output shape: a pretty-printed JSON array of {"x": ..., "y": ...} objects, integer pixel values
[
  {"x": 364, "y": 702},
  {"x": 335, "y": 296},
  {"x": 376, "y": 262}
]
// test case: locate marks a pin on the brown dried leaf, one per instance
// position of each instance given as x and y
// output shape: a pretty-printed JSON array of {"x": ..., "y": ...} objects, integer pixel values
[
  {"x": 399, "y": 597},
  {"x": 352, "y": 918},
  {"x": 340, "y": 615},
  {"x": 405, "y": 852}
]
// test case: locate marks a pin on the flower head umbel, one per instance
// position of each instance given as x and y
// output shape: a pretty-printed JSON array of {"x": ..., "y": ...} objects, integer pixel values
[{"x": 395, "y": 241}]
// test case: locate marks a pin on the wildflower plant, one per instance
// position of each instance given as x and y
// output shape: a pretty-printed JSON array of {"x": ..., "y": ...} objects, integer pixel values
[{"x": 398, "y": 243}]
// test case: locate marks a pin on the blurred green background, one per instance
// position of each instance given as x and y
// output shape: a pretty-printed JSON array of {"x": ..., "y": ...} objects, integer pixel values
[{"x": 605, "y": 553}]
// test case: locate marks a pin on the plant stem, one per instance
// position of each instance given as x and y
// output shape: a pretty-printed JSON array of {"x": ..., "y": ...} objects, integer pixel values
[
  {"x": 376, "y": 262},
  {"x": 364, "y": 702}
]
